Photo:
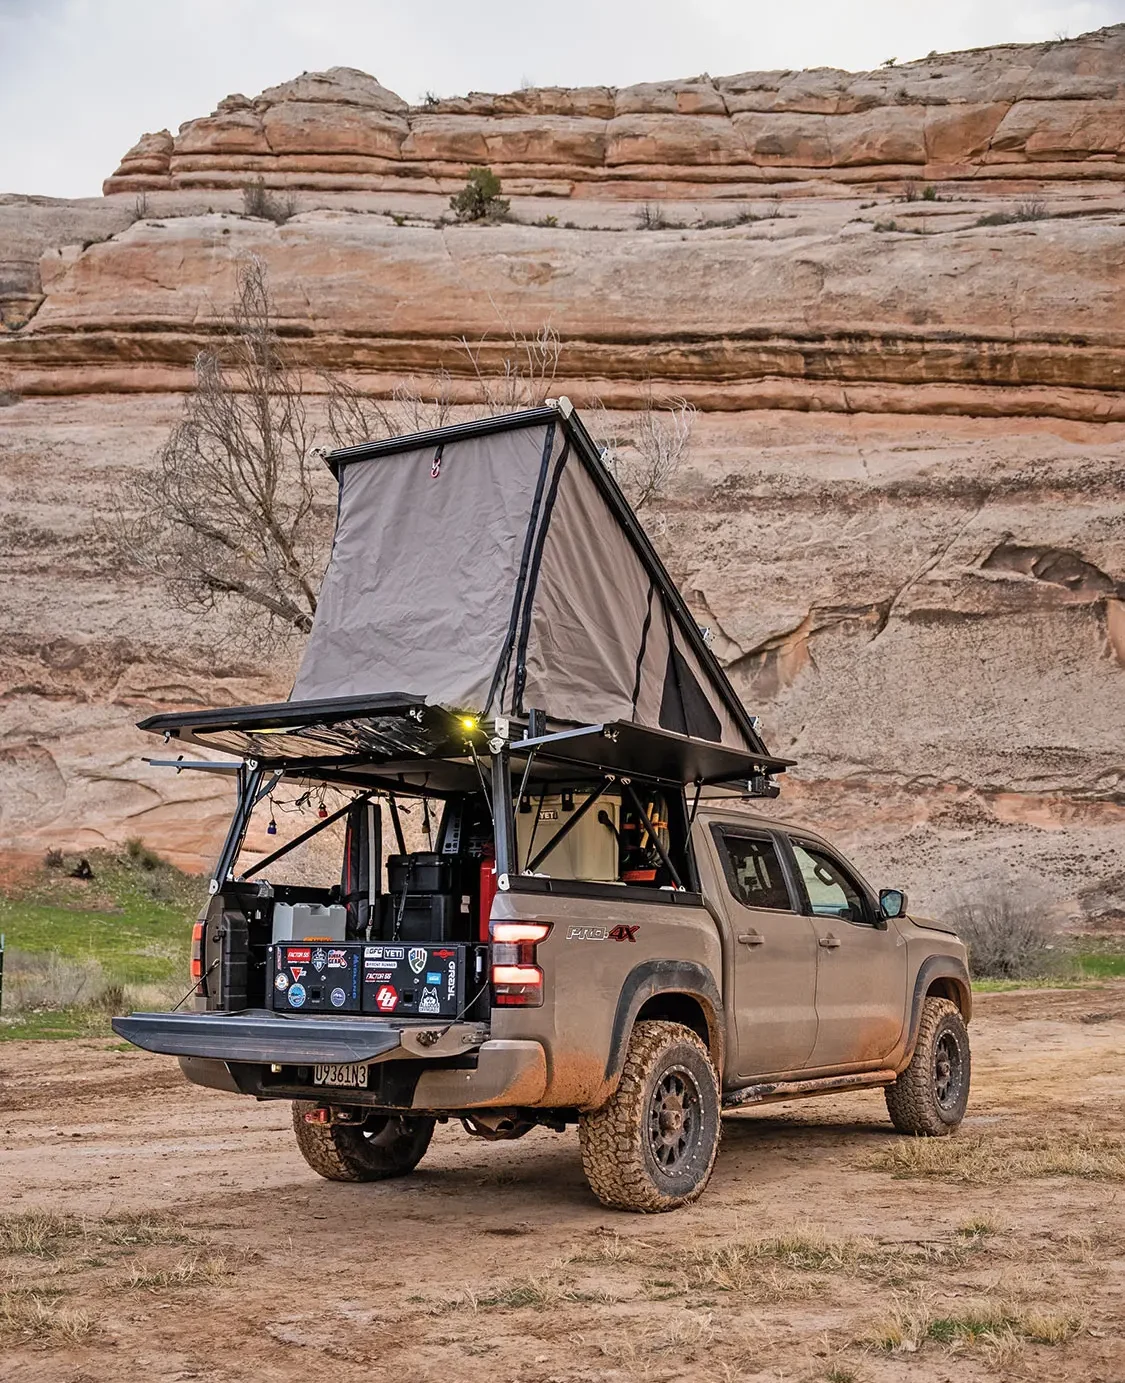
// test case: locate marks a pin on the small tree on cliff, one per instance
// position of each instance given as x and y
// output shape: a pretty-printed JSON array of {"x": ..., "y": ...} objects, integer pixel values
[
  {"x": 229, "y": 512},
  {"x": 480, "y": 199}
]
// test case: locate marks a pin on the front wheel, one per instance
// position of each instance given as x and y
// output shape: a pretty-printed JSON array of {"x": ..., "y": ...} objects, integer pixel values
[
  {"x": 652, "y": 1146},
  {"x": 931, "y": 1095},
  {"x": 382, "y": 1146}
]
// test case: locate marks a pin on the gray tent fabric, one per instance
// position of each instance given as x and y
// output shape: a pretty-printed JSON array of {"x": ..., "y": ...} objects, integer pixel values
[{"x": 498, "y": 571}]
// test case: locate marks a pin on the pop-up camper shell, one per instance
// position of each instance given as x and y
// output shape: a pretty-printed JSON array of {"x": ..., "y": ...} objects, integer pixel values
[{"x": 494, "y": 631}]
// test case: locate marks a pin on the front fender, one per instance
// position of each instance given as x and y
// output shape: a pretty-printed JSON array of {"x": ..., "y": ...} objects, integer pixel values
[{"x": 950, "y": 968}]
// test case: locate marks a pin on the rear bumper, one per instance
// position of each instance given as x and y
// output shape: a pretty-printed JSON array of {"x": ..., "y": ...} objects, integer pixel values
[
  {"x": 259, "y": 1036},
  {"x": 507, "y": 1073}
]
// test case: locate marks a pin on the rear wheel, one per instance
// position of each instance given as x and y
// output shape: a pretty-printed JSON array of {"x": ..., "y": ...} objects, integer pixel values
[
  {"x": 382, "y": 1146},
  {"x": 931, "y": 1095},
  {"x": 652, "y": 1146}
]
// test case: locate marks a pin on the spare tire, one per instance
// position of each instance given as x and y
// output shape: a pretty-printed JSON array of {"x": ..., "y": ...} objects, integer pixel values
[{"x": 382, "y": 1146}]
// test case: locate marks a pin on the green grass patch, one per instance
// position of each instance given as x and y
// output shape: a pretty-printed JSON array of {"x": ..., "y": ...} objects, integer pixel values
[
  {"x": 74, "y": 946},
  {"x": 1101, "y": 965}
]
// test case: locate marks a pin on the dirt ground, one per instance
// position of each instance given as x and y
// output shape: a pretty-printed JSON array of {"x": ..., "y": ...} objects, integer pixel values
[{"x": 152, "y": 1230}]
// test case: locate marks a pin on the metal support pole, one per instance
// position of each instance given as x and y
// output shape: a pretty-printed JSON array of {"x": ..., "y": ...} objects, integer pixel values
[
  {"x": 507, "y": 861},
  {"x": 249, "y": 783}
]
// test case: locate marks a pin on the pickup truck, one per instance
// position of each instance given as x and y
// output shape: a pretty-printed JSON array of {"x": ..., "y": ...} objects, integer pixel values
[{"x": 601, "y": 931}]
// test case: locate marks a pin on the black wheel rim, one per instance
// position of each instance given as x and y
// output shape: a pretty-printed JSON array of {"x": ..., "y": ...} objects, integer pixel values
[
  {"x": 675, "y": 1120},
  {"x": 949, "y": 1070}
]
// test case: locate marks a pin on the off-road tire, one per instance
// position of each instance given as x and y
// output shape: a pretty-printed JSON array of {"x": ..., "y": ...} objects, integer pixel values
[
  {"x": 930, "y": 1096},
  {"x": 618, "y": 1140},
  {"x": 384, "y": 1146}
]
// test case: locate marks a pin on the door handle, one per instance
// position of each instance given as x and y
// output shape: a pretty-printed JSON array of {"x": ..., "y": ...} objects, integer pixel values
[
  {"x": 751, "y": 938},
  {"x": 829, "y": 942}
]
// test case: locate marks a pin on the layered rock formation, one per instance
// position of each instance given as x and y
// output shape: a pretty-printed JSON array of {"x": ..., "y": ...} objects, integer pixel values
[
  {"x": 1038, "y": 111},
  {"x": 903, "y": 515},
  {"x": 816, "y": 311}
]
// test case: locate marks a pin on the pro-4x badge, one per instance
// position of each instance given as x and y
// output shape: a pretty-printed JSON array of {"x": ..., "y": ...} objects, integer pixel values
[{"x": 417, "y": 958}]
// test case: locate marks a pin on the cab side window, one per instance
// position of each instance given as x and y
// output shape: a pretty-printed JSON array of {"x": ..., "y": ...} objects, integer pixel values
[
  {"x": 753, "y": 871},
  {"x": 831, "y": 892}
]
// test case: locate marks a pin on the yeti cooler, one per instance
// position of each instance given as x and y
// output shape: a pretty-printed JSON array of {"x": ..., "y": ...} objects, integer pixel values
[
  {"x": 415, "y": 981},
  {"x": 312, "y": 978}
]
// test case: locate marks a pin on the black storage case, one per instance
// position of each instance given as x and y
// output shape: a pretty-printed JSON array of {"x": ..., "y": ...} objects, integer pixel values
[
  {"x": 418, "y": 917},
  {"x": 420, "y": 873},
  {"x": 316, "y": 976},
  {"x": 415, "y": 981}
]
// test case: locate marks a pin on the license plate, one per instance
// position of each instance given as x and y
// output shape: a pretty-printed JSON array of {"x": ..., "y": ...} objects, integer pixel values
[{"x": 354, "y": 1075}]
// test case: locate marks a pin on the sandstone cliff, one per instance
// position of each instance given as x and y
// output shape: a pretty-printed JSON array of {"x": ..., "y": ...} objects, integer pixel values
[
  {"x": 903, "y": 516},
  {"x": 1038, "y": 111}
]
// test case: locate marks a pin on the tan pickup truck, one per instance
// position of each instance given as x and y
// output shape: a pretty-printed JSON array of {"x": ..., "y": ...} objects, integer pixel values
[{"x": 598, "y": 932}]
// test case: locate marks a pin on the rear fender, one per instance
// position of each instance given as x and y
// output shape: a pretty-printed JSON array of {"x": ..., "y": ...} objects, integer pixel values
[{"x": 655, "y": 977}]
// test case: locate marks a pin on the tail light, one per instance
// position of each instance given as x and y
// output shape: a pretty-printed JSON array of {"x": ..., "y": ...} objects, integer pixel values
[
  {"x": 197, "y": 952},
  {"x": 517, "y": 981}
]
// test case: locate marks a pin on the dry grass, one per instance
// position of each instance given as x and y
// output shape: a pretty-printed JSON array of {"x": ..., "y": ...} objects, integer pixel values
[
  {"x": 36, "y": 1232},
  {"x": 999, "y": 1327},
  {"x": 197, "y": 1270},
  {"x": 43, "y": 1234},
  {"x": 544, "y": 1290},
  {"x": 992, "y": 1161},
  {"x": 27, "y": 1314}
]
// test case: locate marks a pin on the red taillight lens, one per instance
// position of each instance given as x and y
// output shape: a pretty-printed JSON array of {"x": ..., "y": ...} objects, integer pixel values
[
  {"x": 517, "y": 974},
  {"x": 533, "y": 932},
  {"x": 197, "y": 951},
  {"x": 517, "y": 981}
]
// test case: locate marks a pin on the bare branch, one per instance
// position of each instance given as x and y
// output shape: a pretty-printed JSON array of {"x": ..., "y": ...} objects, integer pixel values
[
  {"x": 646, "y": 462},
  {"x": 229, "y": 511}
]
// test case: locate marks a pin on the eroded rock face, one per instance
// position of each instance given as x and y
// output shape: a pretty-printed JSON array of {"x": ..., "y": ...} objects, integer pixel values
[
  {"x": 1033, "y": 111},
  {"x": 814, "y": 311},
  {"x": 925, "y": 612}
]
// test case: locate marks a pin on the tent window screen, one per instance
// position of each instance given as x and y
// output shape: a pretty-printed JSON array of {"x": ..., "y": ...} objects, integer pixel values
[{"x": 753, "y": 872}]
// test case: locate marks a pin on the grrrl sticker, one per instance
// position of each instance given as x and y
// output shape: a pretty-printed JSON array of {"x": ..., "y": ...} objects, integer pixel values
[{"x": 337, "y": 960}]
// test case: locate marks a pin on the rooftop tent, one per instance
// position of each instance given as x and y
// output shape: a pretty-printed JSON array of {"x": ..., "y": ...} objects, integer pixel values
[{"x": 493, "y": 567}]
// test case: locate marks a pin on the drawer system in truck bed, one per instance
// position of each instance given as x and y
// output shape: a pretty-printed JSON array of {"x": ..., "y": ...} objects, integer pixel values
[{"x": 357, "y": 976}]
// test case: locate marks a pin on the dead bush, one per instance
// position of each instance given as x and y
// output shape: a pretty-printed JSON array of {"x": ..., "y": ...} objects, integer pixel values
[
  {"x": 228, "y": 516},
  {"x": 259, "y": 201},
  {"x": 38, "y": 980},
  {"x": 1010, "y": 930}
]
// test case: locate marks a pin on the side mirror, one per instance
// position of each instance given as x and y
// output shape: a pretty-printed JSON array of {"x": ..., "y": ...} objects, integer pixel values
[{"x": 892, "y": 902}]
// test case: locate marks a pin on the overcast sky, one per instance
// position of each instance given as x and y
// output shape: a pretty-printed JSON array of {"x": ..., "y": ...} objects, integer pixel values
[{"x": 81, "y": 80}]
